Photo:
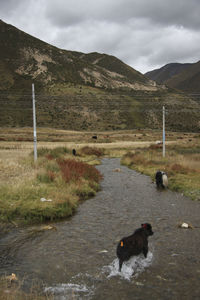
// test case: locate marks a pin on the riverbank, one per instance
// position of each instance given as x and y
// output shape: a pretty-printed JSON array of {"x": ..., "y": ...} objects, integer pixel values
[
  {"x": 181, "y": 163},
  {"x": 52, "y": 187},
  {"x": 49, "y": 189}
]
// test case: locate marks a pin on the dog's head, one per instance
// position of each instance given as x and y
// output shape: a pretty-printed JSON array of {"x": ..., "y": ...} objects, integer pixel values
[{"x": 148, "y": 229}]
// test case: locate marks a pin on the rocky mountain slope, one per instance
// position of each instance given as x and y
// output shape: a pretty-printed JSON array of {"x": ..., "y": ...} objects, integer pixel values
[
  {"x": 81, "y": 91},
  {"x": 25, "y": 57}
]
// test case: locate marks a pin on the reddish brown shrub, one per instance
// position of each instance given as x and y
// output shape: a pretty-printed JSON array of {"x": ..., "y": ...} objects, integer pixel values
[
  {"x": 74, "y": 170},
  {"x": 177, "y": 168},
  {"x": 155, "y": 146},
  {"x": 49, "y": 157},
  {"x": 51, "y": 175},
  {"x": 23, "y": 139}
]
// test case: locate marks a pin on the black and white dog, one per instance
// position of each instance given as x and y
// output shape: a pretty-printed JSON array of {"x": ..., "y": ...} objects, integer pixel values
[
  {"x": 161, "y": 179},
  {"x": 134, "y": 244}
]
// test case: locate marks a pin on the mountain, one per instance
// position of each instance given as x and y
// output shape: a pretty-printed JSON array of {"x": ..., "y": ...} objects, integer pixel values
[
  {"x": 23, "y": 56},
  {"x": 184, "y": 77},
  {"x": 166, "y": 72},
  {"x": 81, "y": 91}
]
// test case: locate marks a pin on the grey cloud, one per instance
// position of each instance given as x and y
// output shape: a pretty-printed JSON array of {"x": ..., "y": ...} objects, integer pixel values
[
  {"x": 180, "y": 12},
  {"x": 7, "y": 6},
  {"x": 91, "y": 36},
  {"x": 143, "y": 33}
]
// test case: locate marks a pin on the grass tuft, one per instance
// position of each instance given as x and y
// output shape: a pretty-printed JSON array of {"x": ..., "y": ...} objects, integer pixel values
[{"x": 61, "y": 182}]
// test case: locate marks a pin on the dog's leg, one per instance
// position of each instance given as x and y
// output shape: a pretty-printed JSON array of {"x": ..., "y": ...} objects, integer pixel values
[
  {"x": 120, "y": 264},
  {"x": 145, "y": 251}
]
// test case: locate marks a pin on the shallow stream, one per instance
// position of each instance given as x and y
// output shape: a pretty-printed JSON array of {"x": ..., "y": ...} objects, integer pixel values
[{"x": 77, "y": 258}]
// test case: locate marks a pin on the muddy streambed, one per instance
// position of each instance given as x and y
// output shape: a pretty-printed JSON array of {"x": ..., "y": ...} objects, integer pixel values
[{"x": 77, "y": 259}]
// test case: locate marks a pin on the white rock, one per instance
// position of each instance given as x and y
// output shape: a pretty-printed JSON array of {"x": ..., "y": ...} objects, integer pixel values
[
  {"x": 184, "y": 225},
  {"x": 45, "y": 200}
]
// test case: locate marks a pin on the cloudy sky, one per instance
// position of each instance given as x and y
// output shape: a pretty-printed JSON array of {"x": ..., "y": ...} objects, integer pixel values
[{"x": 146, "y": 34}]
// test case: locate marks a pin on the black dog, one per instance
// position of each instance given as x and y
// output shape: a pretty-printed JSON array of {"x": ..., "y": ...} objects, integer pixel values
[
  {"x": 134, "y": 244},
  {"x": 74, "y": 152},
  {"x": 161, "y": 179}
]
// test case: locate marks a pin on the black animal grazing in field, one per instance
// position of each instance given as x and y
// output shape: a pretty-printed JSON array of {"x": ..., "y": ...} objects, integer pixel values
[
  {"x": 94, "y": 137},
  {"x": 134, "y": 244},
  {"x": 74, "y": 152},
  {"x": 161, "y": 179}
]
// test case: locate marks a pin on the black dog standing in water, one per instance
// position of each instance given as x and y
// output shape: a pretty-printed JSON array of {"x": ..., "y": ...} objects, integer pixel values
[{"x": 134, "y": 244}]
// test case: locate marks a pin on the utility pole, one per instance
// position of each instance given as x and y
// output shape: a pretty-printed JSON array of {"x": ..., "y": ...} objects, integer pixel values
[
  {"x": 163, "y": 131},
  {"x": 34, "y": 124}
]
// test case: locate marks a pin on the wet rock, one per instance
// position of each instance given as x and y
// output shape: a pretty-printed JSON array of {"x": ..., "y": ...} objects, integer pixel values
[
  {"x": 139, "y": 283},
  {"x": 48, "y": 227},
  {"x": 185, "y": 225},
  {"x": 117, "y": 170},
  {"x": 161, "y": 278},
  {"x": 11, "y": 278}
]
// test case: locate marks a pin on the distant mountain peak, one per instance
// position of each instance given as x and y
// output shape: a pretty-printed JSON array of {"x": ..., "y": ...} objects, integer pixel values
[{"x": 183, "y": 76}]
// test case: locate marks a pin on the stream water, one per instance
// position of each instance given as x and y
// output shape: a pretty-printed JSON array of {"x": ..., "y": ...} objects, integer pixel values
[{"x": 77, "y": 259}]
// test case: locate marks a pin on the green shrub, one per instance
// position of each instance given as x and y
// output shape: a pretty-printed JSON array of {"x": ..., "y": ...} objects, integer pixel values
[{"x": 52, "y": 153}]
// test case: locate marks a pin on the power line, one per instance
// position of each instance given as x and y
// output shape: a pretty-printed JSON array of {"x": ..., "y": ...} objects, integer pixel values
[{"x": 103, "y": 93}]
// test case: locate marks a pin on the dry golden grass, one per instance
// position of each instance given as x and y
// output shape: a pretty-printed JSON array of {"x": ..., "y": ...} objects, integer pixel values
[
  {"x": 14, "y": 148},
  {"x": 192, "y": 162},
  {"x": 13, "y": 170}
]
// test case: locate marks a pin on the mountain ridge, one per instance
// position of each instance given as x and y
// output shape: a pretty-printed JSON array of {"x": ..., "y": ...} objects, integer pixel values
[
  {"x": 75, "y": 66},
  {"x": 81, "y": 91},
  {"x": 182, "y": 76}
]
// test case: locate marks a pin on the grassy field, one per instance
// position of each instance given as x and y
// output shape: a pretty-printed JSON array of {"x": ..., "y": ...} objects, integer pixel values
[{"x": 52, "y": 187}]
